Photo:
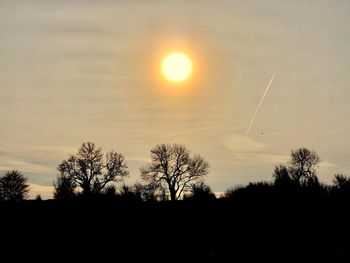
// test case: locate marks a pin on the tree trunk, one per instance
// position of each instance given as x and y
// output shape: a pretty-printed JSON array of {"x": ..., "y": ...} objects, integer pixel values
[
  {"x": 172, "y": 194},
  {"x": 86, "y": 189}
]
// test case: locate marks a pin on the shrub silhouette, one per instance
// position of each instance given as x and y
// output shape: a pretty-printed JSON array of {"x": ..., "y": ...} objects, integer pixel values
[
  {"x": 200, "y": 192},
  {"x": 341, "y": 181},
  {"x": 283, "y": 180},
  {"x": 127, "y": 193},
  {"x": 110, "y": 191},
  {"x": 64, "y": 188},
  {"x": 341, "y": 185},
  {"x": 147, "y": 192}
]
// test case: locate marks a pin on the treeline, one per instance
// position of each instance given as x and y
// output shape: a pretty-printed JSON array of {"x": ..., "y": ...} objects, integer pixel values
[
  {"x": 172, "y": 174},
  {"x": 291, "y": 218}
]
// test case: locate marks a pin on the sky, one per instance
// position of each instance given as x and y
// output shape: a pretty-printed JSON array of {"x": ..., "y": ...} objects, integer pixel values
[{"x": 78, "y": 71}]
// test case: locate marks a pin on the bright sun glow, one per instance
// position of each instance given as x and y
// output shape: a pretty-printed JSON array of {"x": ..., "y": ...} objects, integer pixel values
[{"x": 177, "y": 67}]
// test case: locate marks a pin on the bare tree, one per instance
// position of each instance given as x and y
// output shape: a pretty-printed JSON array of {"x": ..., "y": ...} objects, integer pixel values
[
  {"x": 303, "y": 165},
  {"x": 172, "y": 167},
  {"x": 13, "y": 186},
  {"x": 90, "y": 172}
]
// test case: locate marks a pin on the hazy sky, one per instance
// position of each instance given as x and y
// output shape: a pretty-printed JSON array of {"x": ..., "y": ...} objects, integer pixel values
[{"x": 75, "y": 71}]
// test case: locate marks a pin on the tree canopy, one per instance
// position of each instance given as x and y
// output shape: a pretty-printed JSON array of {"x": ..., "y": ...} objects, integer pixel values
[
  {"x": 303, "y": 164},
  {"x": 13, "y": 186},
  {"x": 89, "y": 171},
  {"x": 172, "y": 167}
]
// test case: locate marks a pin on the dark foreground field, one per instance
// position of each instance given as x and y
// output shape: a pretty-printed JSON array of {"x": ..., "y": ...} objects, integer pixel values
[{"x": 254, "y": 229}]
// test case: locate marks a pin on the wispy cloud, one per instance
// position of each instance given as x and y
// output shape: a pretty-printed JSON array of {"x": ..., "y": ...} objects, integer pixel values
[
  {"x": 247, "y": 151},
  {"x": 7, "y": 164},
  {"x": 327, "y": 165},
  {"x": 38, "y": 162}
]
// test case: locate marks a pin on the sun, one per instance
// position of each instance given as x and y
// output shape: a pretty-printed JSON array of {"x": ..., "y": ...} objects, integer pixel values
[{"x": 177, "y": 67}]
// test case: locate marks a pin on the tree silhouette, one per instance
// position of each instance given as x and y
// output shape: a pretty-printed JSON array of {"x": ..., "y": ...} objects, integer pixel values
[
  {"x": 283, "y": 179},
  {"x": 110, "y": 191},
  {"x": 64, "y": 188},
  {"x": 201, "y": 192},
  {"x": 340, "y": 181},
  {"x": 173, "y": 168},
  {"x": 341, "y": 184},
  {"x": 303, "y": 165},
  {"x": 13, "y": 186},
  {"x": 230, "y": 192},
  {"x": 127, "y": 193},
  {"x": 90, "y": 172},
  {"x": 252, "y": 190},
  {"x": 150, "y": 192},
  {"x": 146, "y": 192}
]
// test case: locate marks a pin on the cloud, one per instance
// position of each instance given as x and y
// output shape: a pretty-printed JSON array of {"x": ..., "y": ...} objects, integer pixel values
[
  {"x": 244, "y": 144},
  {"x": 37, "y": 162},
  {"x": 247, "y": 151},
  {"x": 8, "y": 163},
  {"x": 327, "y": 165}
]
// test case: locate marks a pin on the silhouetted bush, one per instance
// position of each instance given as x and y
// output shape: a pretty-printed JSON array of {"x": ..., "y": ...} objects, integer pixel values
[
  {"x": 64, "y": 188},
  {"x": 283, "y": 181},
  {"x": 110, "y": 191},
  {"x": 126, "y": 193},
  {"x": 251, "y": 190},
  {"x": 341, "y": 185},
  {"x": 147, "y": 192},
  {"x": 200, "y": 192}
]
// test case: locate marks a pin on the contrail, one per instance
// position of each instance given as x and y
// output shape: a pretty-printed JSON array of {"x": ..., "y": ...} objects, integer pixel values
[{"x": 259, "y": 105}]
